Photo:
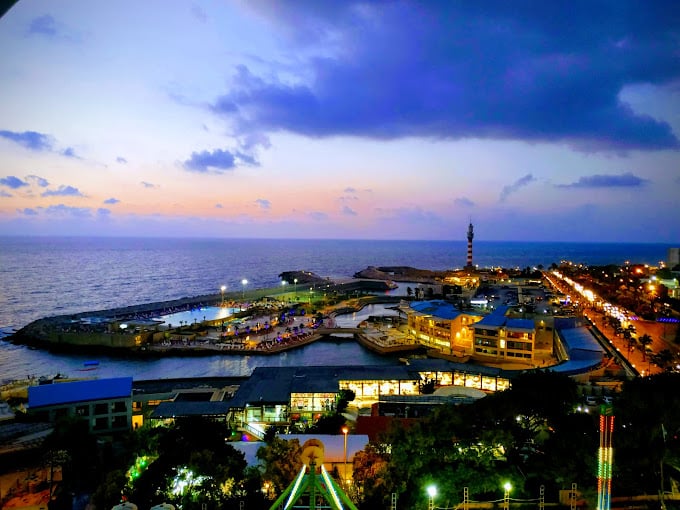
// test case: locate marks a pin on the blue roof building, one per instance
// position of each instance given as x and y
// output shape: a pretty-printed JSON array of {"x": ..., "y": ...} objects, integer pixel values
[
  {"x": 105, "y": 403},
  {"x": 499, "y": 338},
  {"x": 439, "y": 325}
]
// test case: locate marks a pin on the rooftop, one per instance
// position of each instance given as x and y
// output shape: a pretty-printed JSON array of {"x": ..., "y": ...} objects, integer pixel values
[{"x": 79, "y": 391}]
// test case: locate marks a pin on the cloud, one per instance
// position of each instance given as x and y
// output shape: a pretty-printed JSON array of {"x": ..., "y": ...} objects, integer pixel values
[
  {"x": 627, "y": 180},
  {"x": 263, "y": 203},
  {"x": 63, "y": 191},
  {"x": 492, "y": 70},
  {"x": 464, "y": 202},
  {"x": 47, "y": 26},
  {"x": 103, "y": 212},
  {"x": 43, "y": 183},
  {"x": 349, "y": 189},
  {"x": 5, "y": 194},
  {"x": 111, "y": 201},
  {"x": 347, "y": 211},
  {"x": 12, "y": 182},
  {"x": 29, "y": 139},
  {"x": 69, "y": 152},
  {"x": 218, "y": 206},
  {"x": 218, "y": 159},
  {"x": 43, "y": 25},
  {"x": 28, "y": 211},
  {"x": 515, "y": 186},
  {"x": 198, "y": 13},
  {"x": 148, "y": 184},
  {"x": 121, "y": 160},
  {"x": 65, "y": 210},
  {"x": 318, "y": 216}
]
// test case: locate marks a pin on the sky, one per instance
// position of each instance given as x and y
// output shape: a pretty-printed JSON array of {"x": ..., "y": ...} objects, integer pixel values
[{"x": 537, "y": 121}]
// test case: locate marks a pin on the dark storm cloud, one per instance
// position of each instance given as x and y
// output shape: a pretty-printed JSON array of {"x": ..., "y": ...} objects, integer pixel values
[
  {"x": 30, "y": 139},
  {"x": 217, "y": 159},
  {"x": 538, "y": 71},
  {"x": 515, "y": 186},
  {"x": 12, "y": 182},
  {"x": 627, "y": 180},
  {"x": 63, "y": 191}
]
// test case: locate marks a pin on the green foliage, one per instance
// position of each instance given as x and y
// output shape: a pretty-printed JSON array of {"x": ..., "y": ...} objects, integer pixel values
[
  {"x": 281, "y": 461},
  {"x": 328, "y": 424},
  {"x": 344, "y": 398},
  {"x": 647, "y": 430},
  {"x": 108, "y": 493},
  {"x": 198, "y": 445}
]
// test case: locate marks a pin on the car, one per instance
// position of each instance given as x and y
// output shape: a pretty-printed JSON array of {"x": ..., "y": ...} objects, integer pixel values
[{"x": 591, "y": 400}]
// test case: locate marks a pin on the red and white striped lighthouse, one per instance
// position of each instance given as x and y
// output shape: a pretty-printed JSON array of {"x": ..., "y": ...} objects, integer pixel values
[{"x": 470, "y": 236}]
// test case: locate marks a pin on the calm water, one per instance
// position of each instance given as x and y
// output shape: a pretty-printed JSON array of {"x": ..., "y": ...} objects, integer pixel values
[{"x": 52, "y": 276}]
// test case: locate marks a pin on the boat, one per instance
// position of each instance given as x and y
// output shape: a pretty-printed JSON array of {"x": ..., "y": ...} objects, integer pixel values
[{"x": 89, "y": 365}]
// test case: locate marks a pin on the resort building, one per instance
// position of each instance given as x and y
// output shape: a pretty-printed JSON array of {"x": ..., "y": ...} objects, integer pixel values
[
  {"x": 106, "y": 404},
  {"x": 502, "y": 339},
  {"x": 440, "y": 325},
  {"x": 292, "y": 396}
]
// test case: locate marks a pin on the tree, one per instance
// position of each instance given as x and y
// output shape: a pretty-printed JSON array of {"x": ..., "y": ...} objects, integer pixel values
[
  {"x": 195, "y": 446},
  {"x": 644, "y": 340},
  {"x": 282, "y": 462},
  {"x": 647, "y": 427},
  {"x": 72, "y": 442},
  {"x": 369, "y": 467}
]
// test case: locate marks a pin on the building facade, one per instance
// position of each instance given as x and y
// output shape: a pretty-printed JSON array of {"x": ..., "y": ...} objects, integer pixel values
[
  {"x": 106, "y": 404},
  {"x": 499, "y": 338},
  {"x": 439, "y": 325}
]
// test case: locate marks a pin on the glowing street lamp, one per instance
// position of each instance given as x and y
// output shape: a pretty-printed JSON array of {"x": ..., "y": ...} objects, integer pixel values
[
  {"x": 432, "y": 492},
  {"x": 244, "y": 282},
  {"x": 222, "y": 289},
  {"x": 345, "y": 430},
  {"x": 295, "y": 286},
  {"x": 506, "y": 497}
]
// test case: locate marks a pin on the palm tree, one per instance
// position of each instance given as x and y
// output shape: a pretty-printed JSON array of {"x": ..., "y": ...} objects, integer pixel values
[{"x": 644, "y": 340}]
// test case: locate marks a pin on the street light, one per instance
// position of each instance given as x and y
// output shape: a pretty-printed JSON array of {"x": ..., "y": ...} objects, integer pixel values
[
  {"x": 345, "y": 430},
  {"x": 244, "y": 282},
  {"x": 295, "y": 286},
  {"x": 506, "y": 497},
  {"x": 222, "y": 289},
  {"x": 432, "y": 492}
]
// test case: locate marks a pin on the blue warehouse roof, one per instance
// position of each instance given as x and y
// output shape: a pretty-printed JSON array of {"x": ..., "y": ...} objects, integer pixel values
[
  {"x": 580, "y": 343},
  {"x": 79, "y": 391}
]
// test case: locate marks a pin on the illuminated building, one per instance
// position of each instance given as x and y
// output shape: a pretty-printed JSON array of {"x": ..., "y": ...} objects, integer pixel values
[{"x": 440, "y": 325}]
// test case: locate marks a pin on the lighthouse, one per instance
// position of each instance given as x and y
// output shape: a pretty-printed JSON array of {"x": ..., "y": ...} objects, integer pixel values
[{"x": 470, "y": 236}]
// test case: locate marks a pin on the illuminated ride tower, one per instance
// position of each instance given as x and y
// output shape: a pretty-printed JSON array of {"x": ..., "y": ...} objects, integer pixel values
[
  {"x": 470, "y": 236},
  {"x": 605, "y": 458}
]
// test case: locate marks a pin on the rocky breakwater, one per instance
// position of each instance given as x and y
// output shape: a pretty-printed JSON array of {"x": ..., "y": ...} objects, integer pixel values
[
  {"x": 101, "y": 330},
  {"x": 402, "y": 274}
]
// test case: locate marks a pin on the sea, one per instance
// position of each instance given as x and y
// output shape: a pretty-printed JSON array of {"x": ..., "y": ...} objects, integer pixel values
[{"x": 47, "y": 276}]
